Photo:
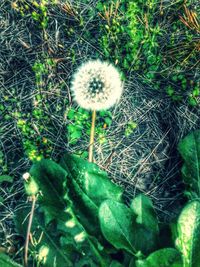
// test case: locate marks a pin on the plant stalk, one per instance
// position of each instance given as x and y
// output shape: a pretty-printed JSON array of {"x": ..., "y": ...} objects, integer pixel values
[
  {"x": 92, "y": 132},
  {"x": 29, "y": 231}
]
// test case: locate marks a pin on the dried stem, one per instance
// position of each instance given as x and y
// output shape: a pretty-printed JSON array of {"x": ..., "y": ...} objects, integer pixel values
[
  {"x": 92, "y": 132},
  {"x": 28, "y": 231}
]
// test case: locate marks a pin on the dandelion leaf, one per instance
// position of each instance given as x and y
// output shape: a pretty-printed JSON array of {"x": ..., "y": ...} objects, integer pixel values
[{"x": 189, "y": 149}]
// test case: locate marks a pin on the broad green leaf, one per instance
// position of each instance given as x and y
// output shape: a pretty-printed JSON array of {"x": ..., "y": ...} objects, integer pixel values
[
  {"x": 62, "y": 241},
  {"x": 88, "y": 187},
  {"x": 63, "y": 236},
  {"x": 49, "y": 177},
  {"x": 117, "y": 223},
  {"x": 119, "y": 227},
  {"x": 6, "y": 178},
  {"x": 85, "y": 209},
  {"x": 189, "y": 149},
  {"x": 143, "y": 208},
  {"x": 93, "y": 181},
  {"x": 166, "y": 257},
  {"x": 5, "y": 261},
  {"x": 46, "y": 238},
  {"x": 188, "y": 228}
]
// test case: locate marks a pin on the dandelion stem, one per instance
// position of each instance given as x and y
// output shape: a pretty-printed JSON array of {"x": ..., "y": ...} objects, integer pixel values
[
  {"x": 28, "y": 231},
  {"x": 92, "y": 132}
]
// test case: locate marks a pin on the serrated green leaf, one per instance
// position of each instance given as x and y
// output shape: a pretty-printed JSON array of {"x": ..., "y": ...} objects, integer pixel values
[
  {"x": 189, "y": 149},
  {"x": 5, "y": 261},
  {"x": 85, "y": 209},
  {"x": 166, "y": 257},
  {"x": 188, "y": 228}
]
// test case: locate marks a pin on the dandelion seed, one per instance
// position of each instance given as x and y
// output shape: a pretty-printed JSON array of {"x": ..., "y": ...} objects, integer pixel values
[{"x": 96, "y": 85}]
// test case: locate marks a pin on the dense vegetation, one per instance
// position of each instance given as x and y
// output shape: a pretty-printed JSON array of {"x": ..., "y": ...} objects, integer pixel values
[{"x": 155, "y": 45}]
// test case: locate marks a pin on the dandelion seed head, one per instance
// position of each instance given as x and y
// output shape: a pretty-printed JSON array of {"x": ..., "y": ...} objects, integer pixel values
[{"x": 96, "y": 85}]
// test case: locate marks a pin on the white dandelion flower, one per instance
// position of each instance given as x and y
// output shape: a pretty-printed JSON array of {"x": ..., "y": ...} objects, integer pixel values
[{"x": 96, "y": 85}]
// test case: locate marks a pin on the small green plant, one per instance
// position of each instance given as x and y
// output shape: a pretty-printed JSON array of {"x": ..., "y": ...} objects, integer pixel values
[
  {"x": 79, "y": 124},
  {"x": 112, "y": 29},
  {"x": 37, "y": 9},
  {"x": 40, "y": 14},
  {"x": 135, "y": 39},
  {"x": 131, "y": 126},
  {"x": 79, "y": 120},
  {"x": 138, "y": 36},
  {"x": 41, "y": 69},
  {"x": 90, "y": 217},
  {"x": 36, "y": 144}
]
